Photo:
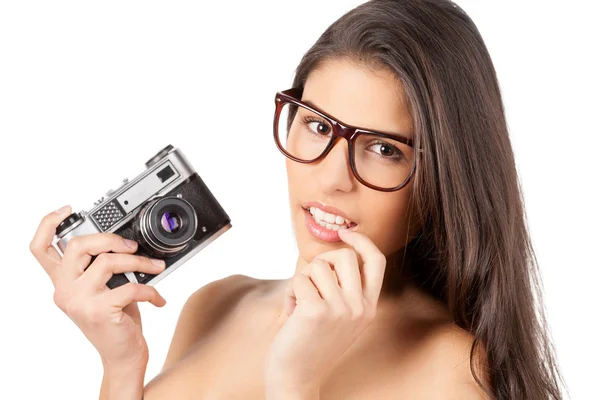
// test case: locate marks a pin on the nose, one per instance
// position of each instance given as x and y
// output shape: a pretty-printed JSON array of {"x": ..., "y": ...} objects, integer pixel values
[{"x": 334, "y": 171}]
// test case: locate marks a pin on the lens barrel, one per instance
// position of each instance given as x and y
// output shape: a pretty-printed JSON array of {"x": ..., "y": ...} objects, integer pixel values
[{"x": 166, "y": 225}]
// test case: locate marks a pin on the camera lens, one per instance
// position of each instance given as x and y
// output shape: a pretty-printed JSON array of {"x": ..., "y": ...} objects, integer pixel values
[
  {"x": 166, "y": 225},
  {"x": 170, "y": 222}
]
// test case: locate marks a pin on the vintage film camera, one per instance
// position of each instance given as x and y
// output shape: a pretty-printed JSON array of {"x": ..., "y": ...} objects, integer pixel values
[{"x": 167, "y": 209}]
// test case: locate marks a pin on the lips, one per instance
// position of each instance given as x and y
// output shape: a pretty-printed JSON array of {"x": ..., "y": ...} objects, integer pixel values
[{"x": 329, "y": 209}]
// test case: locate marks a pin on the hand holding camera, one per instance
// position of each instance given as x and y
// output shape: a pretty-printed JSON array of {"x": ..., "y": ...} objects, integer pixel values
[
  {"x": 110, "y": 319},
  {"x": 113, "y": 254}
]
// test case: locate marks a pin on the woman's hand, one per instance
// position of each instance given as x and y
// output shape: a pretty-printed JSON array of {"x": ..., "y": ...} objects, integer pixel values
[
  {"x": 329, "y": 304},
  {"x": 110, "y": 319}
]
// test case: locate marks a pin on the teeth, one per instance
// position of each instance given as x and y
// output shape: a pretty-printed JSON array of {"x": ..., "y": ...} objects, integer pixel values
[
  {"x": 318, "y": 213},
  {"x": 328, "y": 220}
]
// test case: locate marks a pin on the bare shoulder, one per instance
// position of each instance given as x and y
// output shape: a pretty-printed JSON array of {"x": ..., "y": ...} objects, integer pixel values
[
  {"x": 438, "y": 365},
  {"x": 205, "y": 310},
  {"x": 435, "y": 355},
  {"x": 450, "y": 347}
]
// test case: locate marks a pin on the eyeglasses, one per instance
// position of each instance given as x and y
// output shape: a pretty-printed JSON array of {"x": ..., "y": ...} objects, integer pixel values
[{"x": 303, "y": 133}]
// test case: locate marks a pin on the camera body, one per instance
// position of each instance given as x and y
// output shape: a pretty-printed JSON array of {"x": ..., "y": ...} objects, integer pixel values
[{"x": 167, "y": 209}]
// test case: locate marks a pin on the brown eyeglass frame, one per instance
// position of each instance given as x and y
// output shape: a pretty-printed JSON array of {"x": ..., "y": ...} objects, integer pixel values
[{"x": 340, "y": 130}]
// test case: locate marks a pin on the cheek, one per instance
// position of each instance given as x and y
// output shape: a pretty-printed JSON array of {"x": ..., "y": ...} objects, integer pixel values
[
  {"x": 289, "y": 167},
  {"x": 388, "y": 224},
  {"x": 291, "y": 175},
  {"x": 297, "y": 175}
]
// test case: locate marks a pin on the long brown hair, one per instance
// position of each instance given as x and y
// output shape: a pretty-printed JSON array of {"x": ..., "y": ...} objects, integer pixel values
[{"x": 474, "y": 251}]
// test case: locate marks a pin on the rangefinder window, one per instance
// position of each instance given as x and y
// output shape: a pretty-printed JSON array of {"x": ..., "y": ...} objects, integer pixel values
[{"x": 165, "y": 173}]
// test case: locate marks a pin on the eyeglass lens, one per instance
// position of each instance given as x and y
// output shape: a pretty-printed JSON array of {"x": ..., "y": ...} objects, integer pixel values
[{"x": 381, "y": 162}]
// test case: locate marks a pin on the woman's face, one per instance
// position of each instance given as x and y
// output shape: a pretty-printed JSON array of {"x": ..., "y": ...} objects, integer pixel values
[{"x": 369, "y": 99}]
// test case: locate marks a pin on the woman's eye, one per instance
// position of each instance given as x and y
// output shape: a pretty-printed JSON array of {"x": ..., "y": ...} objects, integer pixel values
[
  {"x": 319, "y": 127},
  {"x": 387, "y": 151}
]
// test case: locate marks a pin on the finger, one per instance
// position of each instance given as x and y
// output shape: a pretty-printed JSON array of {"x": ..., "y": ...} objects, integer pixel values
[
  {"x": 289, "y": 298},
  {"x": 41, "y": 244},
  {"x": 326, "y": 283},
  {"x": 307, "y": 268},
  {"x": 304, "y": 290},
  {"x": 130, "y": 292},
  {"x": 107, "y": 264},
  {"x": 374, "y": 262},
  {"x": 345, "y": 265},
  {"x": 80, "y": 250}
]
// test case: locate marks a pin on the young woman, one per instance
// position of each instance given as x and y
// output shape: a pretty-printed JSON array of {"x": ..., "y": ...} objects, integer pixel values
[{"x": 415, "y": 279}]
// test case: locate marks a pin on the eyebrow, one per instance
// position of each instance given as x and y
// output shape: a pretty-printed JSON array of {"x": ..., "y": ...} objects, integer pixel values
[{"x": 399, "y": 135}]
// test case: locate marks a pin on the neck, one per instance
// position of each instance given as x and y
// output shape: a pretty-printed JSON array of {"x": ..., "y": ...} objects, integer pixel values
[{"x": 397, "y": 275}]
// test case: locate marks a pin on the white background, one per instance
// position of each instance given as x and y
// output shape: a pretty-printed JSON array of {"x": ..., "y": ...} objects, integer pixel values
[{"x": 90, "y": 90}]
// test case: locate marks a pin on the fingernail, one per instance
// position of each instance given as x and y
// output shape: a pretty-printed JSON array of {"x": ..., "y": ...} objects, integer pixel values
[
  {"x": 62, "y": 210},
  {"x": 130, "y": 243},
  {"x": 157, "y": 262}
]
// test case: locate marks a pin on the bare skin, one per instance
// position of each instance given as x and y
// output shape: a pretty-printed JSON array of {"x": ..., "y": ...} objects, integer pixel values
[{"x": 410, "y": 350}]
